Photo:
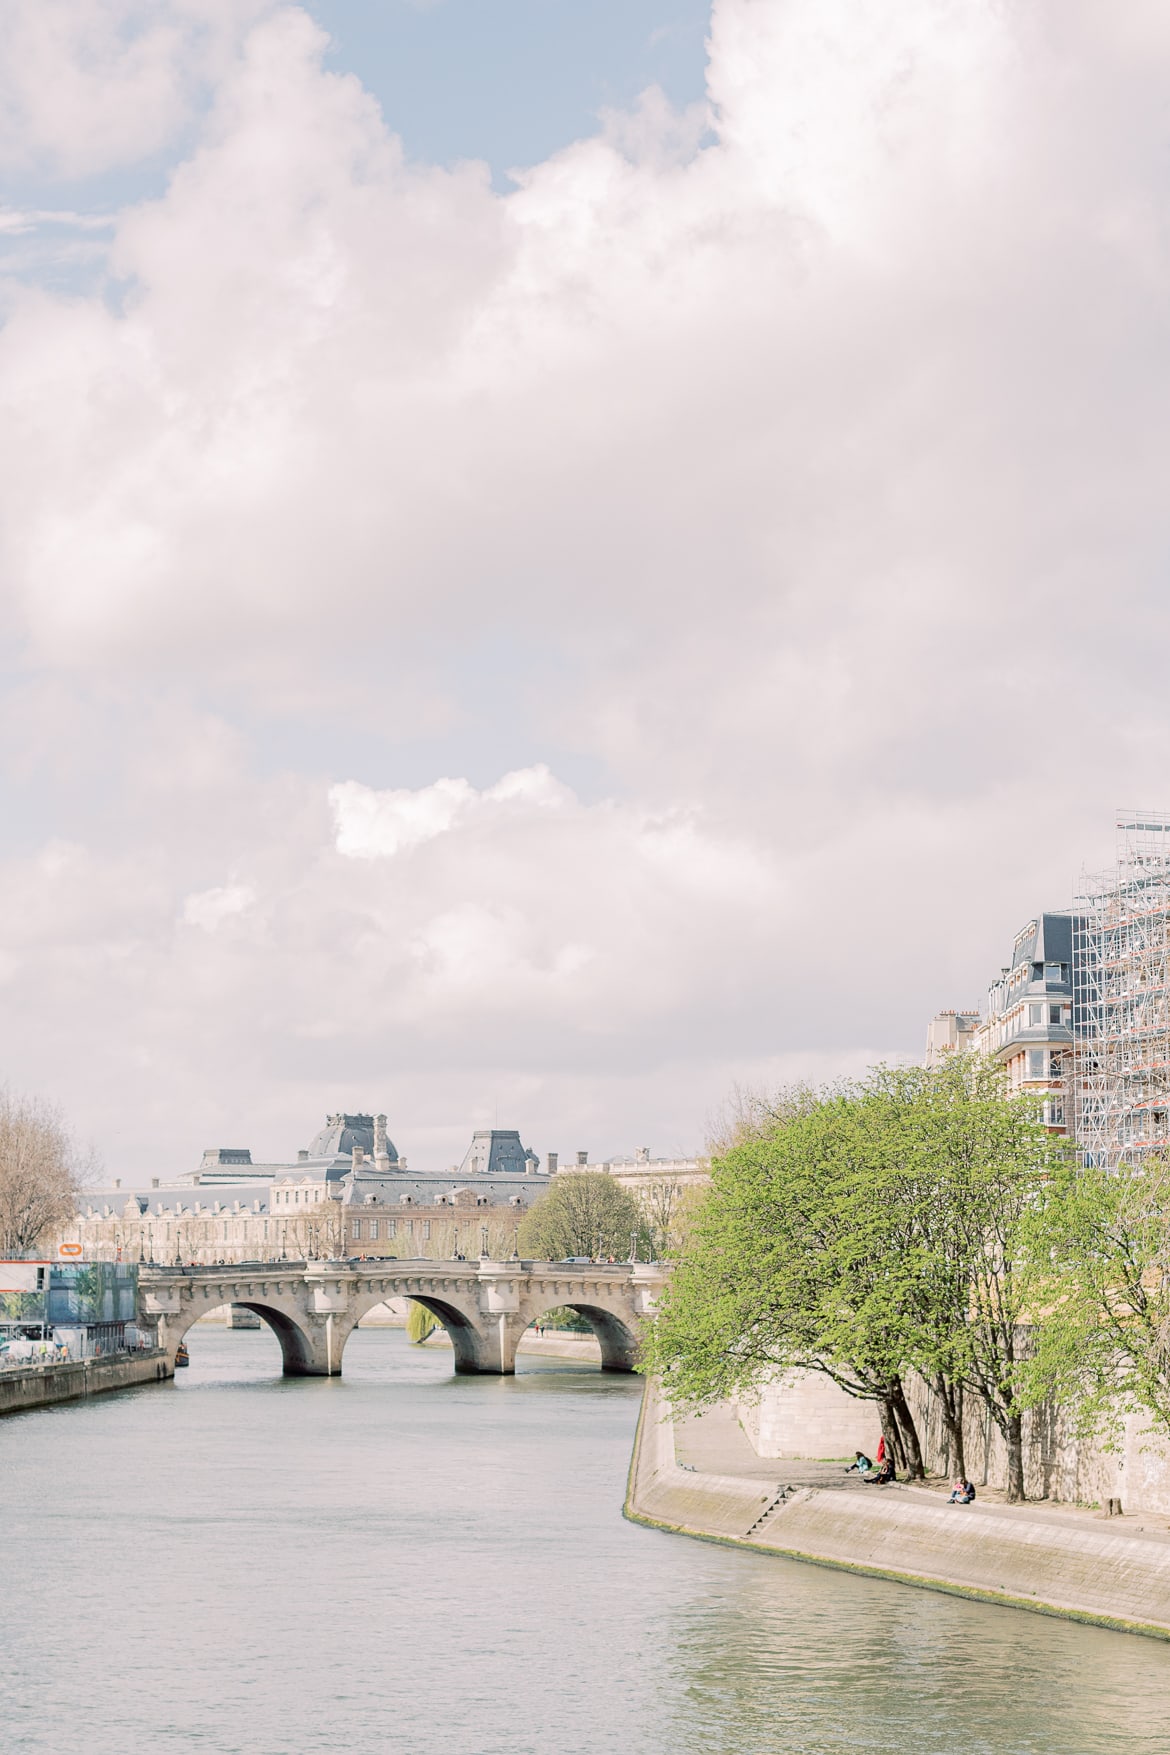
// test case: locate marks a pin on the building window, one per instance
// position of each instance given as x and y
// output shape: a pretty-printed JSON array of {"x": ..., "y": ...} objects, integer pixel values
[
  {"x": 1055, "y": 1014},
  {"x": 391, "y": 1227},
  {"x": 1037, "y": 1063},
  {"x": 374, "y": 1229},
  {"x": 355, "y": 1231},
  {"x": 1036, "y": 1014},
  {"x": 426, "y": 1227}
]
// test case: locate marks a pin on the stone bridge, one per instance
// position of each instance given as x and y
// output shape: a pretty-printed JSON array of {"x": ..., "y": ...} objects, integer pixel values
[{"x": 485, "y": 1306}]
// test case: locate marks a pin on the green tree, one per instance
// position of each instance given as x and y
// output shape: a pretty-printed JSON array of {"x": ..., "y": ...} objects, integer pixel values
[
  {"x": 793, "y": 1262},
  {"x": 420, "y": 1322},
  {"x": 862, "y": 1233},
  {"x": 1100, "y": 1249},
  {"x": 969, "y": 1162},
  {"x": 585, "y": 1212}
]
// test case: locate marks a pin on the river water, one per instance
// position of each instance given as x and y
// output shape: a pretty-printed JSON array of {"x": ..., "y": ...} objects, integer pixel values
[{"x": 407, "y": 1562}]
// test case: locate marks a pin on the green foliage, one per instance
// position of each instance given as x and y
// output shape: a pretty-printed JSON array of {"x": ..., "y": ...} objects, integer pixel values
[
  {"x": 860, "y": 1233},
  {"x": 566, "y": 1321},
  {"x": 585, "y": 1212},
  {"x": 1100, "y": 1246},
  {"x": 420, "y": 1322}
]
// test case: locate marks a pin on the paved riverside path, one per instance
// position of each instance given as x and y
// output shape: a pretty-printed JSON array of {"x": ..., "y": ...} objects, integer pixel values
[
  {"x": 714, "y": 1442},
  {"x": 702, "y": 1478}
]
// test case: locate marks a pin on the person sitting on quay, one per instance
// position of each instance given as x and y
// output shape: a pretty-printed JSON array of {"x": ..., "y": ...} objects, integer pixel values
[
  {"x": 962, "y": 1493},
  {"x": 882, "y": 1475},
  {"x": 862, "y": 1464}
]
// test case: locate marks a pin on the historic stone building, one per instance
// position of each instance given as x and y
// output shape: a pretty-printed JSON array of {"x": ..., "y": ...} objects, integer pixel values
[{"x": 349, "y": 1193}]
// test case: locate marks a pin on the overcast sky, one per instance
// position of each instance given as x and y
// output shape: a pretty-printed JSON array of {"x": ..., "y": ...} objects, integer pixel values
[{"x": 558, "y": 557}]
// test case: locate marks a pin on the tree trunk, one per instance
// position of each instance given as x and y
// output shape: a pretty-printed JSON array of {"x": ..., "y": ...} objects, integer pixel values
[
  {"x": 891, "y": 1434},
  {"x": 950, "y": 1401},
  {"x": 1013, "y": 1432},
  {"x": 911, "y": 1448}
]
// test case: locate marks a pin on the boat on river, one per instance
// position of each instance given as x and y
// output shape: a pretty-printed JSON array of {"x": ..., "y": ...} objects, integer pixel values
[{"x": 182, "y": 1356}]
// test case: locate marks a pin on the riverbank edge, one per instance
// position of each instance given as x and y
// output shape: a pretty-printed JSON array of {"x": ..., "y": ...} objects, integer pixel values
[
  {"x": 77, "y": 1380},
  {"x": 720, "y": 1493}
]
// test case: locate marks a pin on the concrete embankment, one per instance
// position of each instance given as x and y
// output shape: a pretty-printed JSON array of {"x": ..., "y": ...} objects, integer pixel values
[
  {"x": 43, "y": 1385},
  {"x": 1058, "y": 1561}
]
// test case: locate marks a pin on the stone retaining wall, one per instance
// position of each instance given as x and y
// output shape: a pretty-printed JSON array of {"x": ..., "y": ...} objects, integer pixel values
[
  {"x": 804, "y": 1414},
  {"x": 46, "y": 1384}
]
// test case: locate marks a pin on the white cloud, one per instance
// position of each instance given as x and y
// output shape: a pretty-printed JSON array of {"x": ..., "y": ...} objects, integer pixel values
[
  {"x": 376, "y": 825},
  {"x": 86, "y": 85},
  {"x": 210, "y": 908},
  {"x": 801, "y": 486},
  {"x": 373, "y": 825}
]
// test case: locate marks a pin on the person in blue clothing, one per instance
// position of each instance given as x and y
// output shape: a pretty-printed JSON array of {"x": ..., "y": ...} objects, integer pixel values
[
  {"x": 862, "y": 1465},
  {"x": 962, "y": 1493}
]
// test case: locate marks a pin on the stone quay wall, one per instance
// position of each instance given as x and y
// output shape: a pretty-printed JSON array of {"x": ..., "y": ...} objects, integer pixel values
[
  {"x": 43, "y": 1385},
  {"x": 1052, "y": 1562}
]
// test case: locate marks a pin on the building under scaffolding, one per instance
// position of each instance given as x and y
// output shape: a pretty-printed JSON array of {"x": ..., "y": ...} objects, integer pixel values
[{"x": 1121, "y": 975}]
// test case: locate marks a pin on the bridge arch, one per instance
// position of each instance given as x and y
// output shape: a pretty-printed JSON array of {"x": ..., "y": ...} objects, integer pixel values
[
  {"x": 466, "y": 1342},
  {"x": 617, "y": 1339},
  {"x": 297, "y": 1351}
]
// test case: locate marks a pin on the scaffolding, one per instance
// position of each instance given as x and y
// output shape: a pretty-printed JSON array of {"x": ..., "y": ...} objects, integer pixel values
[{"x": 1121, "y": 1000}]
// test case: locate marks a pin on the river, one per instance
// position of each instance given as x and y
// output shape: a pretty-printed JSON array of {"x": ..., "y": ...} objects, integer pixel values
[{"x": 402, "y": 1562}]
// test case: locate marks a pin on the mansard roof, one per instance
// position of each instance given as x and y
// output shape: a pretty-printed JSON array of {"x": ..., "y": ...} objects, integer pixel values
[{"x": 341, "y": 1134}]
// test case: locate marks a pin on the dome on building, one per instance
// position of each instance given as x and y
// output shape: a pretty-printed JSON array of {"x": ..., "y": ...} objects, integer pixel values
[{"x": 342, "y": 1133}]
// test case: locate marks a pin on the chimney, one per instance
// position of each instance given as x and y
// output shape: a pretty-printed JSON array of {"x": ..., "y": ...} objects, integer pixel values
[
  {"x": 359, "y": 1157},
  {"x": 154, "y": 1182},
  {"x": 381, "y": 1156},
  {"x": 552, "y": 1163},
  {"x": 303, "y": 1156},
  {"x": 642, "y": 1155},
  {"x": 117, "y": 1182},
  {"x": 582, "y": 1158}
]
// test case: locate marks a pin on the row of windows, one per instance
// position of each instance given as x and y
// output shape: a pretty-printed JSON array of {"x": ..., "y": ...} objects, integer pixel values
[
  {"x": 372, "y": 1232},
  {"x": 1049, "y": 1014}
]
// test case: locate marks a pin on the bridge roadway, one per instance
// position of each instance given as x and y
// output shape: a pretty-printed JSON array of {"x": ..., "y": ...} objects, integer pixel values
[{"x": 485, "y": 1306}]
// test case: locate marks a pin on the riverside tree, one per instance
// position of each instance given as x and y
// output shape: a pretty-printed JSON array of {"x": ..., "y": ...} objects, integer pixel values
[
  {"x": 862, "y": 1233},
  {"x": 1100, "y": 1248},
  {"x": 38, "y": 1181},
  {"x": 584, "y": 1213},
  {"x": 980, "y": 1159}
]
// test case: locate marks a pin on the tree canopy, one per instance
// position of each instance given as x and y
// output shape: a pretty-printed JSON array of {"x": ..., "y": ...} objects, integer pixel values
[
  {"x": 862, "y": 1232},
  {"x": 585, "y": 1212},
  {"x": 1100, "y": 1243}
]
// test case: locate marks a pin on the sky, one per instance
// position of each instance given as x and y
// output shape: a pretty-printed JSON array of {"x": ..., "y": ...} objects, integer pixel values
[{"x": 555, "y": 560}]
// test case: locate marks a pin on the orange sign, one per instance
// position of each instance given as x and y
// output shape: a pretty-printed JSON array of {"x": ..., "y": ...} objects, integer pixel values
[{"x": 69, "y": 1250}]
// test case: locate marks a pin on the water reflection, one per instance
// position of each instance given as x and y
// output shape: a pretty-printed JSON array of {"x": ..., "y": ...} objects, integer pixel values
[{"x": 403, "y": 1560}]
